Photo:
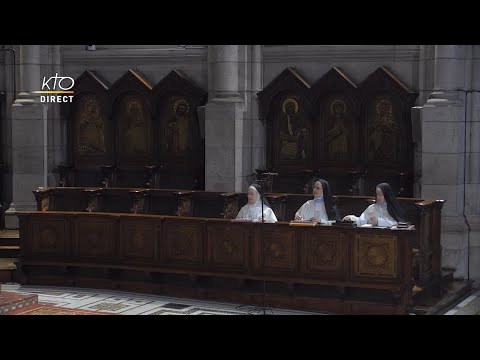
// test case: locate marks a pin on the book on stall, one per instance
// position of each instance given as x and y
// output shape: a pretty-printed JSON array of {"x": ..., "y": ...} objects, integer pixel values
[
  {"x": 403, "y": 226},
  {"x": 303, "y": 223},
  {"x": 346, "y": 223},
  {"x": 242, "y": 220}
]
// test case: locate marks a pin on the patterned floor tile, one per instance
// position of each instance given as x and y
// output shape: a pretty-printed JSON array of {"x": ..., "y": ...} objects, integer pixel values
[
  {"x": 176, "y": 306},
  {"x": 105, "y": 306},
  {"x": 117, "y": 302}
]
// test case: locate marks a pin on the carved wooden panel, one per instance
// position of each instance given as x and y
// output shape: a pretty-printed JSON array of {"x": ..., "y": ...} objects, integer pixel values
[
  {"x": 279, "y": 249},
  {"x": 132, "y": 116},
  {"x": 67, "y": 199},
  {"x": 89, "y": 127},
  {"x": 284, "y": 105},
  {"x": 133, "y": 120},
  {"x": 340, "y": 137},
  {"x": 162, "y": 203},
  {"x": 138, "y": 240},
  {"x": 377, "y": 279},
  {"x": 427, "y": 249},
  {"x": 115, "y": 126},
  {"x": 92, "y": 141},
  {"x": 180, "y": 134},
  {"x": 335, "y": 111},
  {"x": 95, "y": 238},
  {"x": 325, "y": 252},
  {"x": 383, "y": 128},
  {"x": 293, "y": 130},
  {"x": 176, "y": 99},
  {"x": 116, "y": 200},
  {"x": 229, "y": 246},
  {"x": 209, "y": 204},
  {"x": 184, "y": 205},
  {"x": 49, "y": 237},
  {"x": 278, "y": 205},
  {"x": 345, "y": 128},
  {"x": 230, "y": 209},
  {"x": 375, "y": 256},
  {"x": 387, "y": 104},
  {"x": 183, "y": 241}
]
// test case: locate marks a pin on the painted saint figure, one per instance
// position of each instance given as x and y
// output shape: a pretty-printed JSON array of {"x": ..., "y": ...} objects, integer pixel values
[
  {"x": 381, "y": 142},
  {"x": 179, "y": 135},
  {"x": 91, "y": 139},
  {"x": 337, "y": 135},
  {"x": 294, "y": 135},
  {"x": 135, "y": 134}
]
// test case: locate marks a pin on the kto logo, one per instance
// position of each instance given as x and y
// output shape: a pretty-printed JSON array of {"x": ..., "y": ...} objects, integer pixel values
[{"x": 57, "y": 87}]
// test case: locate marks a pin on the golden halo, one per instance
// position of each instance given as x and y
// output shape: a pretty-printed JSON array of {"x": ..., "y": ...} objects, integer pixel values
[
  {"x": 181, "y": 101},
  {"x": 290, "y": 100},
  {"x": 385, "y": 103},
  {"x": 90, "y": 100},
  {"x": 338, "y": 101},
  {"x": 130, "y": 105}
]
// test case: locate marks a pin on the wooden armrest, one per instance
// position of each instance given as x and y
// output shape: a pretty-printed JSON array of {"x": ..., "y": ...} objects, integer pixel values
[
  {"x": 183, "y": 193},
  {"x": 143, "y": 191},
  {"x": 42, "y": 198},
  {"x": 424, "y": 204},
  {"x": 276, "y": 196},
  {"x": 41, "y": 191},
  {"x": 229, "y": 195},
  {"x": 92, "y": 191},
  {"x": 138, "y": 192}
]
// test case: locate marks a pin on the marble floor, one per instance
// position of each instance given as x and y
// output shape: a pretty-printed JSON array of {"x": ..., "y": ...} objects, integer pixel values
[
  {"x": 468, "y": 306},
  {"x": 126, "y": 303}
]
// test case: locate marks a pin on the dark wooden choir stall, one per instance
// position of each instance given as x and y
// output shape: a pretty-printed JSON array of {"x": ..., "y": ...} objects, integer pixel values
[{"x": 183, "y": 243}]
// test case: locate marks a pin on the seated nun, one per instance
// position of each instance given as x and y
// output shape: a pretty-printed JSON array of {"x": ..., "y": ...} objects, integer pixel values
[
  {"x": 386, "y": 212},
  {"x": 253, "y": 209},
  {"x": 321, "y": 208}
]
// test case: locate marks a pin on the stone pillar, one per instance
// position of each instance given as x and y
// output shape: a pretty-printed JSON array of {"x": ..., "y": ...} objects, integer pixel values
[
  {"x": 443, "y": 151},
  {"x": 30, "y": 79},
  {"x": 472, "y": 190},
  {"x": 234, "y": 135},
  {"x": 224, "y": 133},
  {"x": 57, "y": 127},
  {"x": 223, "y": 62},
  {"x": 258, "y": 155},
  {"x": 28, "y": 137},
  {"x": 449, "y": 75}
]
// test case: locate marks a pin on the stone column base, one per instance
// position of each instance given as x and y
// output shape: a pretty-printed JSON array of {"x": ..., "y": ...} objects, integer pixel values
[{"x": 11, "y": 219}]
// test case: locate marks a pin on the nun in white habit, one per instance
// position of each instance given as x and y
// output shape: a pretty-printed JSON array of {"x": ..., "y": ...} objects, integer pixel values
[
  {"x": 253, "y": 209},
  {"x": 321, "y": 208}
]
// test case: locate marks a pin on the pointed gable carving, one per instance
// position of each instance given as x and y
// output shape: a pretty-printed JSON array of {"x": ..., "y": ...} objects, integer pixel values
[
  {"x": 285, "y": 107},
  {"x": 386, "y": 118},
  {"x": 335, "y": 112},
  {"x": 176, "y": 99},
  {"x": 132, "y": 116},
  {"x": 289, "y": 80},
  {"x": 177, "y": 81}
]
